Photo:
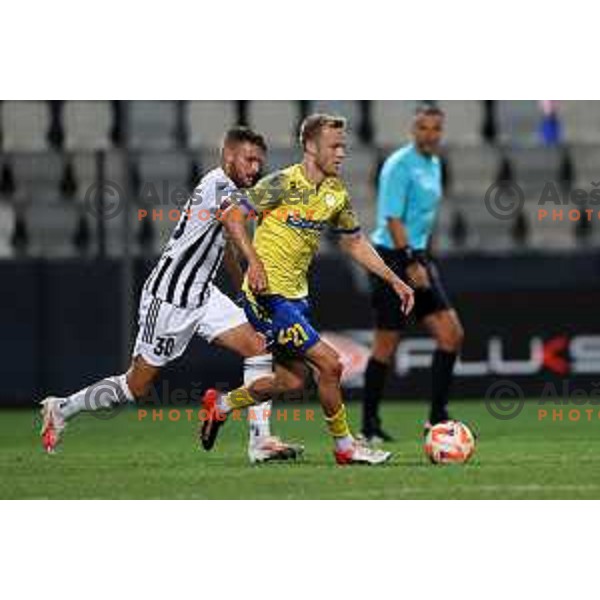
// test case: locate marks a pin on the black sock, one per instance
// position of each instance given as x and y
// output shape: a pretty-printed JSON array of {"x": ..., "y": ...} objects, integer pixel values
[
  {"x": 375, "y": 376},
  {"x": 441, "y": 371}
]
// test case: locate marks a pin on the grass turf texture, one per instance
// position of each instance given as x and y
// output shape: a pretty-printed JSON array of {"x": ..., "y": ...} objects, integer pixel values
[{"x": 125, "y": 458}]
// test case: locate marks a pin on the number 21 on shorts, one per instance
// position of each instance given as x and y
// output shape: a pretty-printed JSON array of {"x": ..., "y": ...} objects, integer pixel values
[{"x": 294, "y": 334}]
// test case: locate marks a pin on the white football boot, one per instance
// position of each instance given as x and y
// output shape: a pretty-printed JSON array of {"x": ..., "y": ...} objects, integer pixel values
[
  {"x": 53, "y": 424},
  {"x": 272, "y": 448},
  {"x": 361, "y": 454}
]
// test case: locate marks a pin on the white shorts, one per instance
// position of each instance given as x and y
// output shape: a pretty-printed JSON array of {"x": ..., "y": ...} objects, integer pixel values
[{"x": 165, "y": 330}]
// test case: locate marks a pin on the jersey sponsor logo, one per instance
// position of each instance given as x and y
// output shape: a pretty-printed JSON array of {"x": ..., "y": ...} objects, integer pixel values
[{"x": 299, "y": 222}]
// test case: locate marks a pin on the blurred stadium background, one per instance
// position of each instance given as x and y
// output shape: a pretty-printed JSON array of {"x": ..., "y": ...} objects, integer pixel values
[{"x": 528, "y": 290}]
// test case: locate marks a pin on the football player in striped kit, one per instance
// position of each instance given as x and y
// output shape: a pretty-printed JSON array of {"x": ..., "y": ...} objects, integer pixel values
[{"x": 180, "y": 300}]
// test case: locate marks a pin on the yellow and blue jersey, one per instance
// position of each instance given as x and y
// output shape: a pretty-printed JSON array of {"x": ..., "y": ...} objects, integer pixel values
[{"x": 293, "y": 214}]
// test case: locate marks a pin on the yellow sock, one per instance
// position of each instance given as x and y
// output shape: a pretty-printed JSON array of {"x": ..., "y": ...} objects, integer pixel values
[
  {"x": 238, "y": 398},
  {"x": 338, "y": 424}
]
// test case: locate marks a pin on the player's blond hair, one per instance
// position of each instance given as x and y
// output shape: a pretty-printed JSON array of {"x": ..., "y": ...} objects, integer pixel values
[{"x": 313, "y": 125}]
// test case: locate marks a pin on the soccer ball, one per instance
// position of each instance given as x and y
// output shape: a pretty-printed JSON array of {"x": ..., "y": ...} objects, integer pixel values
[{"x": 449, "y": 442}]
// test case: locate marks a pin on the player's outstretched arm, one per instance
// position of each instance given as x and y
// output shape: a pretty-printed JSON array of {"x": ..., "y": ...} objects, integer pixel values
[
  {"x": 360, "y": 249},
  {"x": 234, "y": 221}
]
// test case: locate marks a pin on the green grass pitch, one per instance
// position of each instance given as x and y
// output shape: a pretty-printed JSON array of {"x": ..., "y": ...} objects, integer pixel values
[{"x": 125, "y": 458}]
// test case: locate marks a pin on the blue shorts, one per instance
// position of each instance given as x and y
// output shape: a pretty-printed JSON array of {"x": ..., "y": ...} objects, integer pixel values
[{"x": 285, "y": 323}]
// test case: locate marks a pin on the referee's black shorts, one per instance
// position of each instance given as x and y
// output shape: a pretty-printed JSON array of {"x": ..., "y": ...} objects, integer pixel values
[{"x": 386, "y": 304}]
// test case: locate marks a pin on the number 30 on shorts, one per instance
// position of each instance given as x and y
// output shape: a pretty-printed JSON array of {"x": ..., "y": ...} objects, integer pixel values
[
  {"x": 294, "y": 334},
  {"x": 164, "y": 346}
]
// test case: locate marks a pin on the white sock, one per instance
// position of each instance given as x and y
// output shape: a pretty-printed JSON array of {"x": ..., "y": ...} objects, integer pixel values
[
  {"x": 259, "y": 421},
  {"x": 222, "y": 405},
  {"x": 259, "y": 418},
  {"x": 100, "y": 395},
  {"x": 344, "y": 443}
]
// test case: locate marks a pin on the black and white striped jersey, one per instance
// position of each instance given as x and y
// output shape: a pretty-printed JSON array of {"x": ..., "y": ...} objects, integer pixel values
[{"x": 195, "y": 249}]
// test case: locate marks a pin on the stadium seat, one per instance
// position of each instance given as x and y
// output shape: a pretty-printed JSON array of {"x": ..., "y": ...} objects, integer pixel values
[
  {"x": 580, "y": 120},
  {"x": 586, "y": 160},
  {"x": 114, "y": 230},
  {"x": 164, "y": 186},
  {"x": 51, "y": 226},
  {"x": 449, "y": 206},
  {"x": 279, "y": 158},
  {"x": 37, "y": 176},
  {"x": 116, "y": 168},
  {"x": 277, "y": 120},
  {"x": 491, "y": 237},
  {"x": 85, "y": 170},
  {"x": 444, "y": 242},
  {"x": 7, "y": 224},
  {"x": 532, "y": 167},
  {"x": 207, "y": 120},
  {"x": 595, "y": 235},
  {"x": 364, "y": 202},
  {"x": 25, "y": 125},
  {"x": 472, "y": 169},
  {"x": 484, "y": 232},
  {"x": 350, "y": 109},
  {"x": 158, "y": 166},
  {"x": 392, "y": 121},
  {"x": 87, "y": 124},
  {"x": 518, "y": 122},
  {"x": 151, "y": 125},
  {"x": 209, "y": 158},
  {"x": 359, "y": 172},
  {"x": 117, "y": 188},
  {"x": 463, "y": 121},
  {"x": 7, "y": 178},
  {"x": 547, "y": 234},
  {"x": 115, "y": 233},
  {"x": 360, "y": 166}
]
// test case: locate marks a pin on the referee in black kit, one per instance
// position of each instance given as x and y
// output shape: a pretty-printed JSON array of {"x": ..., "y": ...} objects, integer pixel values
[{"x": 410, "y": 189}]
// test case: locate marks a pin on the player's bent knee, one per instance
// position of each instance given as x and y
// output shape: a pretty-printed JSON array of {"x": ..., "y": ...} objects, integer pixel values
[
  {"x": 256, "y": 345},
  {"x": 452, "y": 340},
  {"x": 457, "y": 336},
  {"x": 140, "y": 377},
  {"x": 294, "y": 384},
  {"x": 139, "y": 388},
  {"x": 384, "y": 347},
  {"x": 459, "y": 339},
  {"x": 331, "y": 369},
  {"x": 252, "y": 345},
  {"x": 243, "y": 340},
  {"x": 384, "y": 352},
  {"x": 140, "y": 385}
]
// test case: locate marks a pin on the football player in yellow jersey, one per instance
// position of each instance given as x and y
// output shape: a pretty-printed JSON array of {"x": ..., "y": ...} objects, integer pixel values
[{"x": 295, "y": 206}]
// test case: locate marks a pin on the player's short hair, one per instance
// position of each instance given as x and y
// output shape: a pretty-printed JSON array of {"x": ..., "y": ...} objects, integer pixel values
[
  {"x": 240, "y": 134},
  {"x": 429, "y": 109},
  {"x": 313, "y": 125}
]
